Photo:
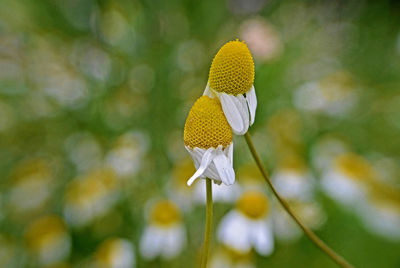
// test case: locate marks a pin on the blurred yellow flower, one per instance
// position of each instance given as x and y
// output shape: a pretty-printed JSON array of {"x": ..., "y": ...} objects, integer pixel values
[
  {"x": 165, "y": 234},
  {"x": 49, "y": 240},
  {"x": 90, "y": 196},
  {"x": 115, "y": 253},
  {"x": 249, "y": 225}
]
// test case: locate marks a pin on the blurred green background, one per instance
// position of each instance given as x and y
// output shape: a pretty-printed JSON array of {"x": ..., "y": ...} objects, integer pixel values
[{"x": 94, "y": 96}]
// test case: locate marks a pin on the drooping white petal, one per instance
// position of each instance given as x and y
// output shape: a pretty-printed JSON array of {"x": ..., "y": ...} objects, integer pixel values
[
  {"x": 196, "y": 154},
  {"x": 233, "y": 232},
  {"x": 235, "y": 112},
  {"x": 251, "y": 99},
  {"x": 224, "y": 168},
  {"x": 208, "y": 156},
  {"x": 262, "y": 237},
  {"x": 243, "y": 109}
]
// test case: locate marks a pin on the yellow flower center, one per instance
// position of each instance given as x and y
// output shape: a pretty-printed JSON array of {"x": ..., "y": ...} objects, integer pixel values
[
  {"x": 44, "y": 230},
  {"x": 354, "y": 166},
  {"x": 253, "y": 204},
  {"x": 92, "y": 187},
  {"x": 165, "y": 213},
  {"x": 206, "y": 125},
  {"x": 232, "y": 70},
  {"x": 109, "y": 250}
]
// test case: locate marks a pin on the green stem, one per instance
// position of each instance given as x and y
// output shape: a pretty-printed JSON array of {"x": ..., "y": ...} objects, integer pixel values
[
  {"x": 311, "y": 235},
  {"x": 207, "y": 234}
]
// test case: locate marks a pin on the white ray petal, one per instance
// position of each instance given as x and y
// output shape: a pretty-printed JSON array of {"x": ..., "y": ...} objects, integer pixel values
[
  {"x": 243, "y": 109},
  {"x": 224, "y": 168},
  {"x": 233, "y": 111},
  {"x": 205, "y": 162},
  {"x": 233, "y": 231},
  {"x": 150, "y": 243},
  {"x": 251, "y": 99},
  {"x": 174, "y": 241},
  {"x": 230, "y": 153},
  {"x": 262, "y": 237}
]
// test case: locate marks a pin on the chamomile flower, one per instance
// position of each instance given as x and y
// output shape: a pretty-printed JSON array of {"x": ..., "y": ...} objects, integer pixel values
[
  {"x": 249, "y": 225},
  {"x": 309, "y": 212},
  {"x": 115, "y": 253},
  {"x": 30, "y": 176},
  {"x": 380, "y": 214},
  {"x": 347, "y": 180},
  {"x": 208, "y": 139},
  {"x": 165, "y": 235},
  {"x": 48, "y": 239},
  {"x": 325, "y": 150},
  {"x": 293, "y": 180},
  {"x": 226, "y": 257},
  {"x": 91, "y": 196},
  {"x": 231, "y": 80}
]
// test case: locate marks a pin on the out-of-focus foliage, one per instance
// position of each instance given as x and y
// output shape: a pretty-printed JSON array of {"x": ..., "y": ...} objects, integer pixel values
[{"x": 94, "y": 96}]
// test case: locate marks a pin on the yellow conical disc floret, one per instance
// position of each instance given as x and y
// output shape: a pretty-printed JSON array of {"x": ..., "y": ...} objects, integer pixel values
[
  {"x": 253, "y": 204},
  {"x": 206, "y": 125},
  {"x": 232, "y": 70}
]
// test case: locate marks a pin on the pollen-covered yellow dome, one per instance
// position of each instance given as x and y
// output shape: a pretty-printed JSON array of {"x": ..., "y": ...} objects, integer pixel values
[
  {"x": 232, "y": 69},
  {"x": 206, "y": 125},
  {"x": 253, "y": 204}
]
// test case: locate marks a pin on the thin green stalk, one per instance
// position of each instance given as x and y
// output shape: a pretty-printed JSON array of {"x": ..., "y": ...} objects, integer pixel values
[
  {"x": 310, "y": 234},
  {"x": 207, "y": 234}
]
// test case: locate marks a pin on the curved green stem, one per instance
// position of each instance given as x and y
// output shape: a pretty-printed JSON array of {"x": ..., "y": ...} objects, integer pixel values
[
  {"x": 207, "y": 234},
  {"x": 310, "y": 234}
]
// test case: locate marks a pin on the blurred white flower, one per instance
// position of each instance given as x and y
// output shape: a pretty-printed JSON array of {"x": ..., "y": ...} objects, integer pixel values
[
  {"x": 346, "y": 180},
  {"x": 115, "y": 253},
  {"x": 48, "y": 239},
  {"x": 381, "y": 216},
  {"x": 325, "y": 150},
  {"x": 293, "y": 180},
  {"x": 229, "y": 258},
  {"x": 30, "y": 176},
  {"x": 127, "y": 153},
  {"x": 248, "y": 225},
  {"x": 84, "y": 151},
  {"x": 92, "y": 60},
  {"x": 334, "y": 95},
  {"x": 310, "y": 213},
  {"x": 165, "y": 234},
  {"x": 90, "y": 196},
  {"x": 114, "y": 26}
]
